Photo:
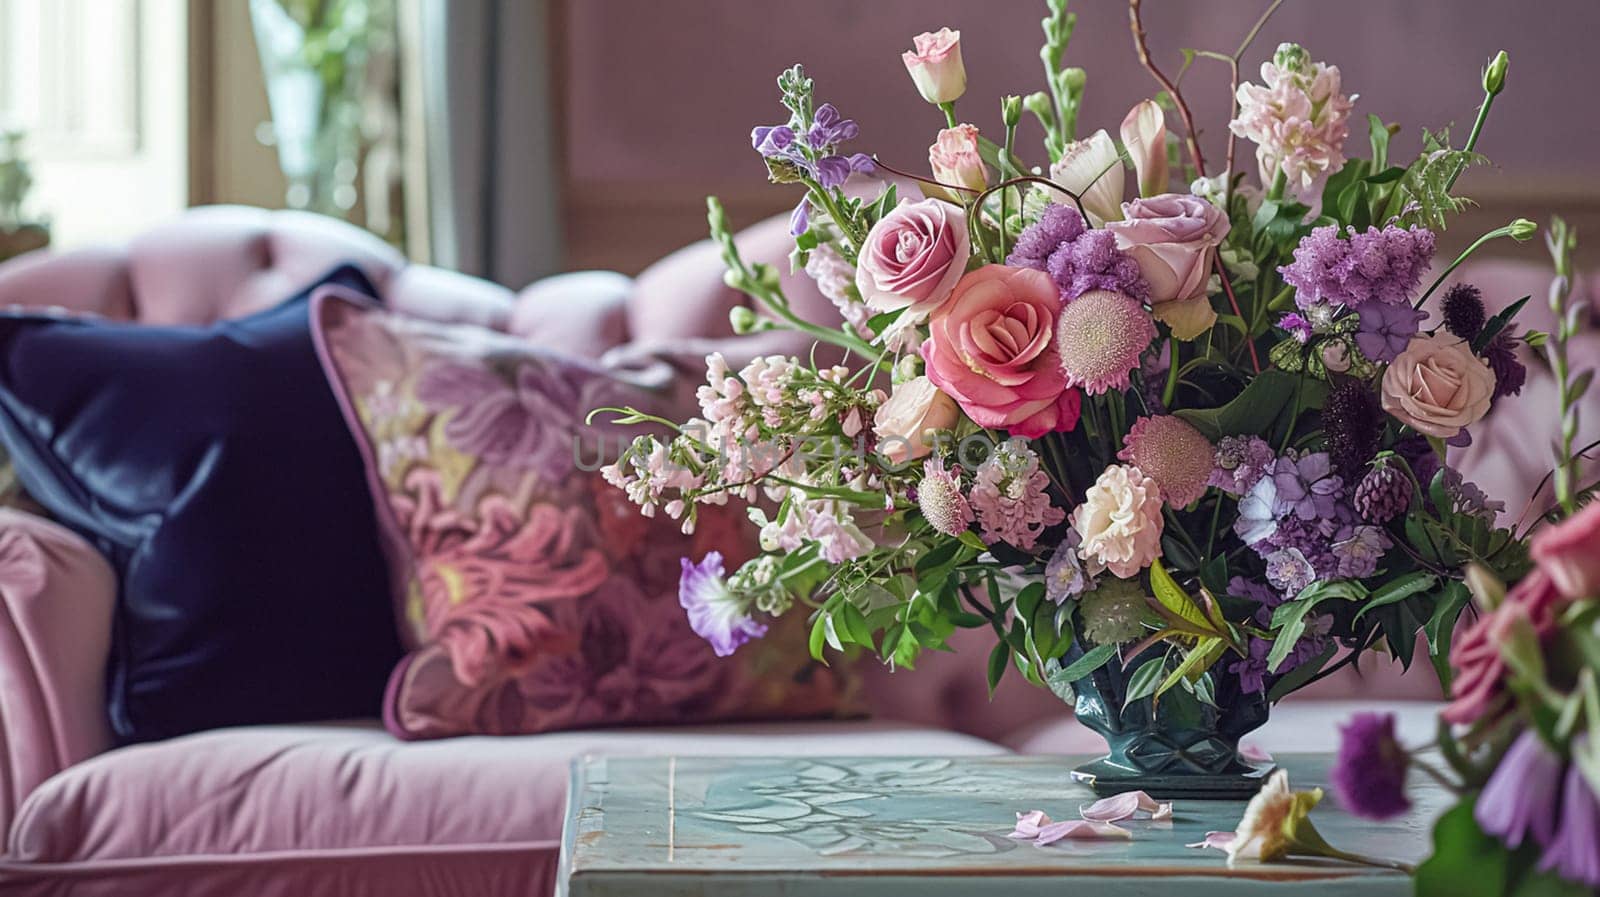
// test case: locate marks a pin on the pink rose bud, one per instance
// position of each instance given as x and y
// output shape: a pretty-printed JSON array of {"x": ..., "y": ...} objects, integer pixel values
[
  {"x": 954, "y": 158},
  {"x": 1144, "y": 133},
  {"x": 1570, "y": 552},
  {"x": 935, "y": 66},
  {"x": 902, "y": 423}
]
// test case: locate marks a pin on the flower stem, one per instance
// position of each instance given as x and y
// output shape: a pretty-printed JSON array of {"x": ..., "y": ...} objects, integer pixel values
[
  {"x": 1504, "y": 231},
  {"x": 949, "y": 110},
  {"x": 1171, "y": 391},
  {"x": 1472, "y": 137}
]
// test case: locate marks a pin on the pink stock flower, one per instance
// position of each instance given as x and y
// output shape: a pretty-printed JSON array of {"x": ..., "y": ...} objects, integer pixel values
[
  {"x": 935, "y": 65},
  {"x": 1008, "y": 494},
  {"x": 913, "y": 257},
  {"x": 991, "y": 347},
  {"x": 1438, "y": 386},
  {"x": 1120, "y": 522},
  {"x": 1298, "y": 119},
  {"x": 954, "y": 158},
  {"x": 1569, "y": 553}
]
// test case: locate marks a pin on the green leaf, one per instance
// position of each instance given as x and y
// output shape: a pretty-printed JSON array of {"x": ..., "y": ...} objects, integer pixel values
[
  {"x": 1174, "y": 598},
  {"x": 971, "y": 540},
  {"x": 999, "y": 659},
  {"x": 855, "y": 624},
  {"x": 1290, "y": 617},
  {"x": 1378, "y": 135},
  {"x": 1197, "y": 661},
  {"x": 1094, "y": 659},
  {"x": 1465, "y": 862},
  {"x": 1144, "y": 680},
  {"x": 819, "y": 628},
  {"x": 1249, "y": 413},
  {"x": 1441, "y": 626},
  {"x": 1398, "y": 590}
]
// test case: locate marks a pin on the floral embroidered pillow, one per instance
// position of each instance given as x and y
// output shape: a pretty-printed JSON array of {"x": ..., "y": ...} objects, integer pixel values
[{"x": 534, "y": 597}]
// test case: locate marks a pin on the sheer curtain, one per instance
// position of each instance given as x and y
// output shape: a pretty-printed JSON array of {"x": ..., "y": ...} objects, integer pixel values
[{"x": 493, "y": 175}]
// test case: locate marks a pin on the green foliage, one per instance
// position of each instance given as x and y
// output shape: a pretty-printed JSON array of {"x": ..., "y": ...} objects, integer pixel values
[{"x": 1424, "y": 194}]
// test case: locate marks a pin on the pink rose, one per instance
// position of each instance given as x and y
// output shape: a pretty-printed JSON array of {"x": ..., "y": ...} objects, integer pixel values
[
  {"x": 991, "y": 347},
  {"x": 1570, "y": 553},
  {"x": 1119, "y": 522},
  {"x": 1438, "y": 386},
  {"x": 1480, "y": 667},
  {"x": 936, "y": 66},
  {"x": 954, "y": 158},
  {"x": 1172, "y": 237},
  {"x": 913, "y": 257},
  {"x": 913, "y": 408}
]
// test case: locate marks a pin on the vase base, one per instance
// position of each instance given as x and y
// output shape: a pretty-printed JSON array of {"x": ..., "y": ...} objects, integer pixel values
[{"x": 1106, "y": 778}]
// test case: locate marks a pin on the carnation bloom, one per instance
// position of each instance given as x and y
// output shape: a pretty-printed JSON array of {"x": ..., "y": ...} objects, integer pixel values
[
  {"x": 1100, "y": 337},
  {"x": 1520, "y": 797},
  {"x": 1174, "y": 454},
  {"x": 1120, "y": 522},
  {"x": 1369, "y": 776},
  {"x": 1297, "y": 118},
  {"x": 716, "y": 614},
  {"x": 1009, "y": 497}
]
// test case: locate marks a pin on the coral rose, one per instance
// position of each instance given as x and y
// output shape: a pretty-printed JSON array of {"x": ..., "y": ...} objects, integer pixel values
[
  {"x": 992, "y": 347},
  {"x": 1438, "y": 386},
  {"x": 1119, "y": 522},
  {"x": 913, "y": 257},
  {"x": 913, "y": 408}
]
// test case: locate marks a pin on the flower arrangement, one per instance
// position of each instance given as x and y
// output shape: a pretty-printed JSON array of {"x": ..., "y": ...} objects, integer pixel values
[{"x": 1183, "y": 448}]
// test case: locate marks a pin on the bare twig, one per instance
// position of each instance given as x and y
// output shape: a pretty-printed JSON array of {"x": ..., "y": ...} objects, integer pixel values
[
  {"x": 1136, "y": 23},
  {"x": 1233, "y": 85},
  {"x": 1249, "y": 338}
]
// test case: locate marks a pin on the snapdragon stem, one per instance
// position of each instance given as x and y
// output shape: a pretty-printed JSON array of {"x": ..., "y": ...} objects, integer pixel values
[{"x": 1503, "y": 231}]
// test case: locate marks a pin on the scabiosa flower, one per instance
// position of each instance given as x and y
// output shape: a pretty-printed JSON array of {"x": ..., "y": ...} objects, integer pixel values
[
  {"x": 1064, "y": 576},
  {"x": 1113, "y": 613},
  {"x": 1509, "y": 372},
  {"x": 1010, "y": 498},
  {"x": 1574, "y": 854},
  {"x": 939, "y": 496},
  {"x": 1383, "y": 494},
  {"x": 1353, "y": 420},
  {"x": 1077, "y": 259},
  {"x": 1376, "y": 265},
  {"x": 1100, "y": 336},
  {"x": 1240, "y": 462},
  {"x": 1297, "y": 118},
  {"x": 1521, "y": 796},
  {"x": 716, "y": 613},
  {"x": 1383, "y": 331},
  {"x": 1174, "y": 454},
  {"x": 1369, "y": 775},
  {"x": 1463, "y": 311}
]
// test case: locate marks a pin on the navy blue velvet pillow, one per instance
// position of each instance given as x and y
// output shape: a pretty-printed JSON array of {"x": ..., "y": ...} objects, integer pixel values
[{"x": 212, "y": 467}]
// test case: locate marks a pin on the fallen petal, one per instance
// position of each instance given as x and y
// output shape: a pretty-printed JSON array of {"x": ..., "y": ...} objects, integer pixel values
[
  {"x": 1218, "y": 840},
  {"x": 1125, "y": 806},
  {"x": 1161, "y": 813},
  {"x": 1029, "y": 824},
  {"x": 1254, "y": 753},
  {"x": 1081, "y": 830}
]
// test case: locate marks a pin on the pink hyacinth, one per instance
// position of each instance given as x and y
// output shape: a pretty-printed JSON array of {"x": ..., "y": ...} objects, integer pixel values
[
  {"x": 1298, "y": 118},
  {"x": 1008, "y": 494}
]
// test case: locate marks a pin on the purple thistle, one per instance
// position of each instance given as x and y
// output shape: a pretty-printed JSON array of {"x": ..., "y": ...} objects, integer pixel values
[
  {"x": 1376, "y": 265},
  {"x": 1509, "y": 372},
  {"x": 716, "y": 614},
  {"x": 1463, "y": 311},
  {"x": 1520, "y": 798},
  {"x": 1369, "y": 774}
]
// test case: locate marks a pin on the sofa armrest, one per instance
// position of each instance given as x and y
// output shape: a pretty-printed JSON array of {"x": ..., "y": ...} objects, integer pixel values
[{"x": 56, "y": 599}]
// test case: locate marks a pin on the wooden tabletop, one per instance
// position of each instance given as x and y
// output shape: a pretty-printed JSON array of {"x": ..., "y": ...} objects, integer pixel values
[{"x": 923, "y": 827}]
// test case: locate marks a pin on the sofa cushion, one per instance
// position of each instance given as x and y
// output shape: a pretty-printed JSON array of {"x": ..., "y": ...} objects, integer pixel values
[
  {"x": 254, "y": 790},
  {"x": 210, "y": 465}
]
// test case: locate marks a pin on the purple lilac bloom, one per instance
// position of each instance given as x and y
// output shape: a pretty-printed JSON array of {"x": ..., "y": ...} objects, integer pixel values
[
  {"x": 1520, "y": 797},
  {"x": 1375, "y": 265},
  {"x": 1574, "y": 854},
  {"x": 1250, "y": 590},
  {"x": 1289, "y": 571},
  {"x": 1241, "y": 461},
  {"x": 1385, "y": 330},
  {"x": 1359, "y": 553},
  {"x": 1306, "y": 486},
  {"x": 716, "y": 614},
  {"x": 1369, "y": 774},
  {"x": 1076, "y": 258}
]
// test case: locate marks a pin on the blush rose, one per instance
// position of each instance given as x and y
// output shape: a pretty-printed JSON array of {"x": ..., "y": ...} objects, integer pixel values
[
  {"x": 1172, "y": 236},
  {"x": 912, "y": 409},
  {"x": 991, "y": 347},
  {"x": 1438, "y": 386},
  {"x": 913, "y": 257}
]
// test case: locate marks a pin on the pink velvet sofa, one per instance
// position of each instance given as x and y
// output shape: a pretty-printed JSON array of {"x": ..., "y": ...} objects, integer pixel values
[{"x": 344, "y": 808}]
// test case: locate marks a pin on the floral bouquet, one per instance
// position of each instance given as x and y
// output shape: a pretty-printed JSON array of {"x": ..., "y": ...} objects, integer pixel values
[{"x": 1182, "y": 454}]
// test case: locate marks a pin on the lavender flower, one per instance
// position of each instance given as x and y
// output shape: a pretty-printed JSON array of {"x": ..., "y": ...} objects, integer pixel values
[
  {"x": 1520, "y": 798},
  {"x": 1064, "y": 576},
  {"x": 1241, "y": 461},
  {"x": 1369, "y": 775},
  {"x": 1076, "y": 258},
  {"x": 1306, "y": 486},
  {"x": 1289, "y": 571},
  {"x": 716, "y": 614},
  {"x": 1376, "y": 265},
  {"x": 1385, "y": 330},
  {"x": 828, "y": 127},
  {"x": 1574, "y": 854}
]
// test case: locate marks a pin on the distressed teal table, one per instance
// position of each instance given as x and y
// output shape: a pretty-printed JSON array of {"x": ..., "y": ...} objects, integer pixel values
[{"x": 924, "y": 827}]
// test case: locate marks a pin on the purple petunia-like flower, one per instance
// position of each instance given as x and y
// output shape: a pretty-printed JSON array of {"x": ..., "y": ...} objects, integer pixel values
[
  {"x": 1521, "y": 796},
  {"x": 828, "y": 127},
  {"x": 828, "y": 168},
  {"x": 716, "y": 614},
  {"x": 1307, "y": 487},
  {"x": 1376, "y": 265},
  {"x": 1369, "y": 774},
  {"x": 1574, "y": 853},
  {"x": 1384, "y": 330},
  {"x": 1241, "y": 461},
  {"x": 1077, "y": 259}
]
